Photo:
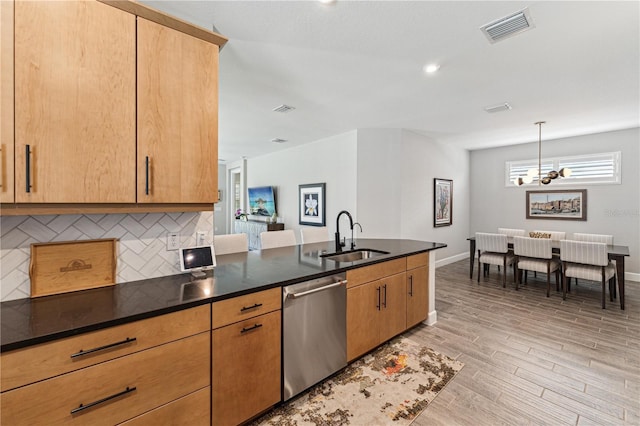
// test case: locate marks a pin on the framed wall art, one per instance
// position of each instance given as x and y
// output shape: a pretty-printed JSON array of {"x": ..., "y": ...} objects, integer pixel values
[
  {"x": 312, "y": 205},
  {"x": 442, "y": 202},
  {"x": 565, "y": 204}
]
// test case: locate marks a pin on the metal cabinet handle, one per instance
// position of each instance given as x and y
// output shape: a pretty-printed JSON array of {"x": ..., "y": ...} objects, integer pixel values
[
  {"x": 378, "y": 305},
  {"x": 246, "y": 308},
  {"x": 83, "y": 407},
  {"x": 1, "y": 163},
  {"x": 28, "y": 167},
  {"x": 253, "y": 327},
  {"x": 384, "y": 301},
  {"x": 146, "y": 175},
  {"x": 411, "y": 285},
  {"x": 102, "y": 348}
]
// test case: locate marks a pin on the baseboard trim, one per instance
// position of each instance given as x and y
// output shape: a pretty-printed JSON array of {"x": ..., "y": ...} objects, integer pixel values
[
  {"x": 630, "y": 276},
  {"x": 432, "y": 318},
  {"x": 451, "y": 259}
]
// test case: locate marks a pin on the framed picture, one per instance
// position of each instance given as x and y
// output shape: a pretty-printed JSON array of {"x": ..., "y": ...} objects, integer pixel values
[
  {"x": 569, "y": 204},
  {"x": 442, "y": 202},
  {"x": 311, "y": 202}
]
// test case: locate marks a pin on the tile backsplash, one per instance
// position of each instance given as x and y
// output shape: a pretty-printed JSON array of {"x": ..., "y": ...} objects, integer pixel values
[{"x": 142, "y": 247}]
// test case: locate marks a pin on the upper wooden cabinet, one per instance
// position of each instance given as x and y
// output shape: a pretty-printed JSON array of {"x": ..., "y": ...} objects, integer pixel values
[
  {"x": 75, "y": 105},
  {"x": 177, "y": 116},
  {"x": 6, "y": 102},
  {"x": 113, "y": 107}
]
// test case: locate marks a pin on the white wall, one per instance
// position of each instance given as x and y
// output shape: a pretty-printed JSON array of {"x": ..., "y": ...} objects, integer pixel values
[
  {"x": 331, "y": 160},
  {"x": 221, "y": 208},
  {"x": 396, "y": 169},
  {"x": 383, "y": 177},
  {"x": 611, "y": 209}
]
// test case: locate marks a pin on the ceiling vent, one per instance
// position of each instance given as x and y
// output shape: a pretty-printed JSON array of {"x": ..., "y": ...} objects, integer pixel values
[
  {"x": 508, "y": 26},
  {"x": 278, "y": 140},
  {"x": 284, "y": 108},
  {"x": 497, "y": 108}
]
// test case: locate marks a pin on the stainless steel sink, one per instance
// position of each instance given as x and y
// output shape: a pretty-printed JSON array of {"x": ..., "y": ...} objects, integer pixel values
[{"x": 354, "y": 255}]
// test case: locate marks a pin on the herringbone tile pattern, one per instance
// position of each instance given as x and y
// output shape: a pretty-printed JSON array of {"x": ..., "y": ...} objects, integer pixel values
[{"x": 141, "y": 250}]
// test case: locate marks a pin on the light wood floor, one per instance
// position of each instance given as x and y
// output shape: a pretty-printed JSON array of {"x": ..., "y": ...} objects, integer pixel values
[{"x": 530, "y": 359}]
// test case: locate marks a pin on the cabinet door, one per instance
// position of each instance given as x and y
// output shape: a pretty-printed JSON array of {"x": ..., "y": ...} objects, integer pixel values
[
  {"x": 6, "y": 103},
  {"x": 417, "y": 295},
  {"x": 363, "y": 312},
  {"x": 177, "y": 116},
  {"x": 246, "y": 368},
  {"x": 74, "y": 103},
  {"x": 393, "y": 320}
]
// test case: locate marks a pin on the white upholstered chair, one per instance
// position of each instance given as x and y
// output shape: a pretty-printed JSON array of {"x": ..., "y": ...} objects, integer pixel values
[
  {"x": 314, "y": 234},
  {"x": 493, "y": 249},
  {"x": 535, "y": 254},
  {"x": 555, "y": 235},
  {"x": 595, "y": 238},
  {"x": 510, "y": 232},
  {"x": 272, "y": 239},
  {"x": 231, "y": 243},
  {"x": 589, "y": 261}
]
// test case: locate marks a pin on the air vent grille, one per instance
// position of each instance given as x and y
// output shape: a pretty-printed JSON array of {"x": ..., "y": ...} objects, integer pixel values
[
  {"x": 284, "y": 108},
  {"x": 508, "y": 26},
  {"x": 497, "y": 108}
]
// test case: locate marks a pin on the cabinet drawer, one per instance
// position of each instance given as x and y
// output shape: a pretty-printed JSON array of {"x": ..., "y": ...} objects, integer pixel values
[
  {"x": 244, "y": 307},
  {"x": 374, "y": 272},
  {"x": 154, "y": 377},
  {"x": 417, "y": 260},
  {"x": 35, "y": 363},
  {"x": 192, "y": 410}
]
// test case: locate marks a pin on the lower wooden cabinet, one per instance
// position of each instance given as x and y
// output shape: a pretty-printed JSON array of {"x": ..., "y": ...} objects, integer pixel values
[
  {"x": 246, "y": 368},
  {"x": 417, "y": 288},
  {"x": 113, "y": 391},
  {"x": 192, "y": 410},
  {"x": 376, "y": 312}
]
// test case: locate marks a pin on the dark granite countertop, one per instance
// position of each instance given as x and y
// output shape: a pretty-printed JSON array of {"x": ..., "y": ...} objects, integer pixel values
[{"x": 27, "y": 322}]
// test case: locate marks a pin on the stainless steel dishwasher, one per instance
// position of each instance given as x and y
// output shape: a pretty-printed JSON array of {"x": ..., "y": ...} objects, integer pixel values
[{"x": 314, "y": 332}]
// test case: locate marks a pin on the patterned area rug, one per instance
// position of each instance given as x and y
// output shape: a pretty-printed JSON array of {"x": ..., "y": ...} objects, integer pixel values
[{"x": 390, "y": 386}]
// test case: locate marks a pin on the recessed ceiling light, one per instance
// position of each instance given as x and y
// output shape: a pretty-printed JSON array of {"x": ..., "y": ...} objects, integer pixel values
[
  {"x": 326, "y": 1},
  {"x": 431, "y": 68}
]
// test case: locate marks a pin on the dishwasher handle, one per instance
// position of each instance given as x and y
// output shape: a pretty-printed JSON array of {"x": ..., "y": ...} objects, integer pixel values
[{"x": 316, "y": 290}]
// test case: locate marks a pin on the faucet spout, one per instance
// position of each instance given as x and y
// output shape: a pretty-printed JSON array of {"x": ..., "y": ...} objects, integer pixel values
[{"x": 339, "y": 244}]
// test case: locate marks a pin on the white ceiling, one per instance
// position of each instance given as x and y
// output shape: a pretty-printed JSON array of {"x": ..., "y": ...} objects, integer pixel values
[{"x": 358, "y": 64}]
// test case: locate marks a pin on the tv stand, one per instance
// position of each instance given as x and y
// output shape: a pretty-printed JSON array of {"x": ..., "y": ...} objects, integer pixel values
[{"x": 253, "y": 228}]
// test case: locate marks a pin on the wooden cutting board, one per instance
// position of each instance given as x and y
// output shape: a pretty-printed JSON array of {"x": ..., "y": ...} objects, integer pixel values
[{"x": 61, "y": 267}]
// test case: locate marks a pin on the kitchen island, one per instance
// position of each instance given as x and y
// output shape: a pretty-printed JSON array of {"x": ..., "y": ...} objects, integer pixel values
[{"x": 183, "y": 330}]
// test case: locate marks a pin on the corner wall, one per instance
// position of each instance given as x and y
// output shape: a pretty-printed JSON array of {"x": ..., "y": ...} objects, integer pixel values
[{"x": 611, "y": 209}]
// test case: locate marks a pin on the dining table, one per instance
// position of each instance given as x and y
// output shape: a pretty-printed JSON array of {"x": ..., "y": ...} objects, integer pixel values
[{"x": 615, "y": 252}]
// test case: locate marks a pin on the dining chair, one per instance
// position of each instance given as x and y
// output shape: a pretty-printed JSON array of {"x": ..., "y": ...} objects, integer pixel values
[
  {"x": 272, "y": 239},
  {"x": 535, "y": 254},
  {"x": 493, "y": 249},
  {"x": 230, "y": 243},
  {"x": 314, "y": 234},
  {"x": 510, "y": 232},
  {"x": 595, "y": 238},
  {"x": 553, "y": 235},
  {"x": 588, "y": 261}
]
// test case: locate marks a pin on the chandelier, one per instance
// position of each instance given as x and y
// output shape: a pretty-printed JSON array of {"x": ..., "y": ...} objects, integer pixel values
[{"x": 546, "y": 180}]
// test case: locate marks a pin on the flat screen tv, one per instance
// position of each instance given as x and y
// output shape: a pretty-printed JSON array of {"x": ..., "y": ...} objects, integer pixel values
[{"x": 262, "y": 201}]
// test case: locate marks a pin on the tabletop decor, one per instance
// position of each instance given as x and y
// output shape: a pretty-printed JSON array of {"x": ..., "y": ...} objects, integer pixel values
[
  {"x": 569, "y": 204},
  {"x": 392, "y": 385},
  {"x": 311, "y": 204},
  {"x": 442, "y": 202}
]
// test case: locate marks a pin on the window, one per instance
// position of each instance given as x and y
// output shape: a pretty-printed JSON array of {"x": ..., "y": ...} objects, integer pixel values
[{"x": 601, "y": 168}]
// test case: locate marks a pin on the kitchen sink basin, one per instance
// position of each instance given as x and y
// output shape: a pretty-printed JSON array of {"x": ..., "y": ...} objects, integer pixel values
[{"x": 354, "y": 255}]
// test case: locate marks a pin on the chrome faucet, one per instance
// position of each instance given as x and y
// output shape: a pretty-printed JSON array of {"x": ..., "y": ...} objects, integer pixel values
[
  {"x": 353, "y": 240},
  {"x": 340, "y": 244}
]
